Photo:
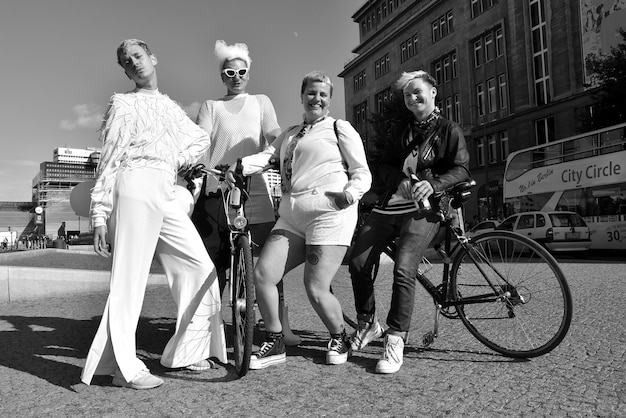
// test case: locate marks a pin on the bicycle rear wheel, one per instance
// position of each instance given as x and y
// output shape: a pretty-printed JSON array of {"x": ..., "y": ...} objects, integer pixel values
[
  {"x": 522, "y": 303},
  {"x": 242, "y": 304}
]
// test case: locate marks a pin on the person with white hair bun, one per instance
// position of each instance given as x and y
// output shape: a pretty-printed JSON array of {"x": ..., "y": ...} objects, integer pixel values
[{"x": 239, "y": 124}]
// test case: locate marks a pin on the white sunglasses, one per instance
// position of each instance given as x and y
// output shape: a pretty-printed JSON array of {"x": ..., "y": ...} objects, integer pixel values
[{"x": 230, "y": 73}]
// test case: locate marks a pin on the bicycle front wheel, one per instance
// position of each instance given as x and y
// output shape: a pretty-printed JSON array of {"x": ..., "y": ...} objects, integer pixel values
[
  {"x": 242, "y": 304},
  {"x": 518, "y": 301}
]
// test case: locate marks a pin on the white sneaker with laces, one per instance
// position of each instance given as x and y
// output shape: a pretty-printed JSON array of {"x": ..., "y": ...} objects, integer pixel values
[
  {"x": 142, "y": 380},
  {"x": 367, "y": 332},
  {"x": 391, "y": 361}
]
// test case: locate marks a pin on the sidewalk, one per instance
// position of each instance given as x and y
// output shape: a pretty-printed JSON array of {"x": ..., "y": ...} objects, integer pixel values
[{"x": 43, "y": 344}]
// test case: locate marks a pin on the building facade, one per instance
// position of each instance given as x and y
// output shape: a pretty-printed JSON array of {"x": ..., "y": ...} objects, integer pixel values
[
  {"x": 53, "y": 184},
  {"x": 510, "y": 72}
]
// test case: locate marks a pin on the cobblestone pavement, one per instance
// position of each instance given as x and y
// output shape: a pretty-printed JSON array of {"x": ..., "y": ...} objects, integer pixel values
[{"x": 43, "y": 345}]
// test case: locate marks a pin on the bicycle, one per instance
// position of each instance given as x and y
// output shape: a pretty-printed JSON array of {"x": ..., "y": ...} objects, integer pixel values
[
  {"x": 240, "y": 283},
  {"x": 508, "y": 290}
]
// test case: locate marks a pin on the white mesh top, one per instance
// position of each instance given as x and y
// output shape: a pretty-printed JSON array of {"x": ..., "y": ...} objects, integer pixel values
[{"x": 236, "y": 135}]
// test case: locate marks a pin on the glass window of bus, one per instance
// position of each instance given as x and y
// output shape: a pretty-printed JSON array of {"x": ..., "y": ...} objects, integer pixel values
[
  {"x": 573, "y": 200},
  {"x": 579, "y": 148},
  {"x": 613, "y": 140},
  {"x": 518, "y": 165},
  {"x": 610, "y": 201},
  {"x": 552, "y": 155}
]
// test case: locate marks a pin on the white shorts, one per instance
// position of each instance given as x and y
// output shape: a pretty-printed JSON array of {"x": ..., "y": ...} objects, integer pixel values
[{"x": 314, "y": 216}]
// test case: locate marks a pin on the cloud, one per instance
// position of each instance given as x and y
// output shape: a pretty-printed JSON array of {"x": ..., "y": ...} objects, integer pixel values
[
  {"x": 86, "y": 116},
  {"x": 295, "y": 34}
]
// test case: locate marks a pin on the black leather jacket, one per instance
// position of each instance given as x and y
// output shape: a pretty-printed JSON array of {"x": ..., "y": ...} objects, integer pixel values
[{"x": 448, "y": 166}]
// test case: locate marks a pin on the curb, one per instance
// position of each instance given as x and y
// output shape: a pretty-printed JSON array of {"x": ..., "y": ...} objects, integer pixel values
[{"x": 29, "y": 283}]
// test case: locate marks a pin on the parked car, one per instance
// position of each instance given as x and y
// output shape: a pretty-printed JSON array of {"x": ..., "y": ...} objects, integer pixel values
[
  {"x": 558, "y": 231},
  {"x": 482, "y": 227}
]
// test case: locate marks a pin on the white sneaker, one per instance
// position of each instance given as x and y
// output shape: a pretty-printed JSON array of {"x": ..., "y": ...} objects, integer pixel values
[
  {"x": 143, "y": 380},
  {"x": 391, "y": 361},
  {"x": 367, "y": 332}
]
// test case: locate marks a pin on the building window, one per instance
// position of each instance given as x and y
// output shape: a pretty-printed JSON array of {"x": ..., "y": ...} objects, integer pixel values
[
  {"x": 504, "y": 145},
  {"x": 438, "y": 72},
  {"x": 481, "y": 6},
  {"x": 454, "y": 65},
  {"x": 381, "y": 98},
  {"x": 457, "y": 108},
  {"x": 503, "y": 91},
  {"x": 408, "y": 48},
  {"x": 359, "y": 81},
  {"x": 499, "y": 42},
  {"x": 489, "y": 47},
  {"x": 360, "y": 113},
  {"x": 442, "y": 26},
  {"x": 480, "y": 152},
  {"x": 485, "y": 49},
  {"x": 381, "y": 66},
  {"x": 540, "y": 51},
  {"x": 491, "y": 139},
  {"x": 449, "y": 110},
  {"x": 445, "y": 68},
  {"x": 478, "y": 52},
  {"x": 491, "y": 95},
  {"x": 480, "y": 98},
  {"x": 544, "y": 130}
]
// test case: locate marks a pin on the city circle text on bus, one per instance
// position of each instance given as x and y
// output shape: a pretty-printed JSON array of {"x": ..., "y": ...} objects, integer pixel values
[{"x": 591, "y": 172}]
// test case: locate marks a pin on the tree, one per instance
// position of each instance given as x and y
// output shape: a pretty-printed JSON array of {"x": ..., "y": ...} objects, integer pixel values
[
  {"x": 392, "y": 113},
  {"x": 609, "y": 72}
]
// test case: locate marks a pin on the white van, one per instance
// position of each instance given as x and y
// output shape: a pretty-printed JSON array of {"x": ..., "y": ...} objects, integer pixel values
[{"x": 558, "y": 231}]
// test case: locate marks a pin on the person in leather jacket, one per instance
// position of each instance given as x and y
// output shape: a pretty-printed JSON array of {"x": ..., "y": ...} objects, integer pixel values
[{"x": 425, "y": 155}]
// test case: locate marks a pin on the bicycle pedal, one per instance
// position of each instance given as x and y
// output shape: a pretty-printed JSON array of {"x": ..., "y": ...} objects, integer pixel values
[{"x": 428, "y": 338}]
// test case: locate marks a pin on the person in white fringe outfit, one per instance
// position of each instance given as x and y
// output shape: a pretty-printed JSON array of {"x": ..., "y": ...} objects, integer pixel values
[
  {"x": 146, "y": 138},
  {"x": 239, "y": 124}
]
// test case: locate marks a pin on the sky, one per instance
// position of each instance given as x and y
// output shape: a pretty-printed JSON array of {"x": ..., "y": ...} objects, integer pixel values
[{"x": 58, "y": 65}]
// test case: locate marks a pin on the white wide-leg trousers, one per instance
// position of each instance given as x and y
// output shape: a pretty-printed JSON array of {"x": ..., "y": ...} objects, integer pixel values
[{"x": 146, "y": 220}]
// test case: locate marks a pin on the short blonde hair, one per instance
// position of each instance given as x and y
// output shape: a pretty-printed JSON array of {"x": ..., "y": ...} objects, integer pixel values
[
  {"x": 128, "y": 43},
  {"x": 406, "y": 78},
  {"x": 319, "y": 76}
]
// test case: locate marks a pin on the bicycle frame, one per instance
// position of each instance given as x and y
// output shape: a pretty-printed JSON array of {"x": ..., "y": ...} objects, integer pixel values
[
  {"x": 241, "y": 287},
  {"x": 444, "y": 298}
]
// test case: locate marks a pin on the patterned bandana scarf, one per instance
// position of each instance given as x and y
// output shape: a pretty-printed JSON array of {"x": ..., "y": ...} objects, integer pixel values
[
  {"x": 421, "y": 128},
  {"x": 305, "y": 128}
]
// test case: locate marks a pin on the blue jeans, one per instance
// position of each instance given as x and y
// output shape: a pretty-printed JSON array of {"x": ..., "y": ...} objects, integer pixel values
[{"x": 415, "y": 231}]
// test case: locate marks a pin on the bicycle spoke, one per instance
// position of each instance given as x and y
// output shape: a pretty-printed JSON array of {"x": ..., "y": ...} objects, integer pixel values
[{"x": 530, "y": 309}]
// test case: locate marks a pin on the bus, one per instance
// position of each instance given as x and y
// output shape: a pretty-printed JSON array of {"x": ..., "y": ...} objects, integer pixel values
[{"x": 584, "y": 173}]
